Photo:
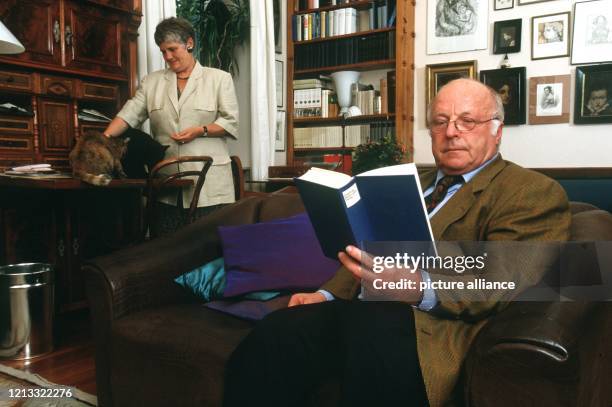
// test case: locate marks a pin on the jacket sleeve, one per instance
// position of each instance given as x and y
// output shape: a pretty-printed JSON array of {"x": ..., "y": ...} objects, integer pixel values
[
  {"x": 227, "y": 110},
  {"x": 134, "y": 112}
]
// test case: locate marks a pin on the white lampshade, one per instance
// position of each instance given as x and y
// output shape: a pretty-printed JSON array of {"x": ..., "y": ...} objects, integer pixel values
[
  {"x": 8, "y": 43},
  {"x": 343, "y": 81}
]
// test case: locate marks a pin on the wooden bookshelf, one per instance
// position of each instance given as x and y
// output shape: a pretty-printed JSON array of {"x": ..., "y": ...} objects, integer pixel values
[{"x": 403, "y": 64}]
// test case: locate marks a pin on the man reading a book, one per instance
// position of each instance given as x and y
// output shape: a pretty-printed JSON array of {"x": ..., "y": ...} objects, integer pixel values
[{"x": 410, "y": 352}]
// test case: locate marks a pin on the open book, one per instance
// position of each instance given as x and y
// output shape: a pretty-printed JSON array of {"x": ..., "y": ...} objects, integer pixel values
[{"x": 385, "y": 204}]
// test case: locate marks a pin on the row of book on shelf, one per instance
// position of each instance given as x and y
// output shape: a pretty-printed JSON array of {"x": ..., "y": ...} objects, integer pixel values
[
  {"x": 315, "y": 97},
  {"x": 325, "y": 24},
  {"x": 377, "y": 46},
  {"x": 336, "y": 136}
]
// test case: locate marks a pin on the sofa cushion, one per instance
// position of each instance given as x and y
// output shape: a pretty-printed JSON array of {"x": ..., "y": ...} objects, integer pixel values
[
  {"x": 283, "y": 254},
  {"x": 174, "y": 347},
  {"x": 277, "y": 206}
]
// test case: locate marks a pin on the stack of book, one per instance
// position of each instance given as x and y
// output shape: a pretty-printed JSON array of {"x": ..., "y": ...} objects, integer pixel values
[
  {"x": 316, "y": 137},
  {"x": 344, "y": 51},
  {"x": 314, "y": 98},
  {"x": 325, "y": 24},
  {"x": 356, "y": 134}
]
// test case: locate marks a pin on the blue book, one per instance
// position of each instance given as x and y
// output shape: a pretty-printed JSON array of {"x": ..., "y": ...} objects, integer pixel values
[{"x": 381, "y": 205}]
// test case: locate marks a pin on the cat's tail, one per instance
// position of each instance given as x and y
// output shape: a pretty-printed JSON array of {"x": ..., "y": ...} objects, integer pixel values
[{"x": 98, "y": 180}]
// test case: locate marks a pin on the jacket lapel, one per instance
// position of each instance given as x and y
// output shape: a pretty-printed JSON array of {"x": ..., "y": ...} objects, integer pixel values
[
  {"x": 171, "y": 89},
  {"x": 191, "y": 85},
  {"x": 463, "y": 199}
]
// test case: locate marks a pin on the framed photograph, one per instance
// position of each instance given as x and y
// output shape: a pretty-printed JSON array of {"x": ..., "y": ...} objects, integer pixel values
[
  {"x": 593, "y": 96},
  {"x": 525, "y": 2},
  {"x": 456, "y": 25},
  {"x": 510, "y": 84},
  {"x": 507, "y": 36},
  {"x": 550, "y": 36},
  {"x": 549, "y": 99},
  {"x": 279, "y": 137},
  {"x": 503, "y": 4},
  {"x": 592, "y": 33},
  {"x": 277, "y": 13},
  {"x": 438, "y": 75},
  {"x": 280, "y": 79}
]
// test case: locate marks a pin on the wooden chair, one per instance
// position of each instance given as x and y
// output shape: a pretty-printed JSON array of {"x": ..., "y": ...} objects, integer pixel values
[{"x": 157, "y": 182}]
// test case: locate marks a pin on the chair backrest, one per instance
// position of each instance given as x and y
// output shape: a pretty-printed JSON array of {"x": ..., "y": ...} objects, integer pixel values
[{"x": 238, "y": 176}]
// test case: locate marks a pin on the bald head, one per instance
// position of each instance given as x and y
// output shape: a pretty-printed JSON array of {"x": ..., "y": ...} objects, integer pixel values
[{"x": 493, "y": 104}]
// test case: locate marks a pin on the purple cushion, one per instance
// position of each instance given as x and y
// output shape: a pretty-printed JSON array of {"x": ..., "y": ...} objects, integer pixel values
[{"x": 282, "y": 254}]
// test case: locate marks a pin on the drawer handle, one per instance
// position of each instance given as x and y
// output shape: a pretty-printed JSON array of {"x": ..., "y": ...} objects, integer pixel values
[{"x": 9, "y": 79}]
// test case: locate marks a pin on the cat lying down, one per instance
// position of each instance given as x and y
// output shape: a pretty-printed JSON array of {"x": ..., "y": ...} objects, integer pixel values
[{"x": 96, "y": 159}]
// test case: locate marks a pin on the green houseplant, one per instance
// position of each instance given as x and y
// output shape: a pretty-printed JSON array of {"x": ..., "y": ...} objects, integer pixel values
[
  {"x": 375, "y": 154},
  {"x": 221, "y": 26}
]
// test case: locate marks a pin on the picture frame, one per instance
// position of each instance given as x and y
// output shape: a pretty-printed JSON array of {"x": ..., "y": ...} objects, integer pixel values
[
  {"x": 277, "y": 13},
  {"x": 593, "y": 94},
  {"x": 438, "y": 75},
  {"x": 592, "y": 32},
  {"x": 457, "y": 25},
  {"x": 549, "y": 99},
  {"x": 280, "y": 80},
  {"x": 526, "y": 2},
  {"x": 550, "y": 36},
  {"x": 503, "y": 4},
  {"x": 507, "y": 36},
  {"x": 280, "y": 140},
  {"x": 510, "y": 84}
]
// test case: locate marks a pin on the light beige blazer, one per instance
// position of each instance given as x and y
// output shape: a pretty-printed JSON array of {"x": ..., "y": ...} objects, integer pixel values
[{"x": 208, "y": 97}]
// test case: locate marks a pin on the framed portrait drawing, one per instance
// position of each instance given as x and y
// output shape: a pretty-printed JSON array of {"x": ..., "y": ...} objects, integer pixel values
[
  {"x": 503, "y": 4},
  {"x": 456, "y": 25},
  {"x": 592, "y": 33},
  {"x": 549, "y": 99},
  {"x": 593, "y": 95},
  {"x": 277, "y": 13},
  {"x": 507, "y": 36},
  {"x": 279, "y": 137},
  {"x": 280, "y": 79},
  {"x": 550, "y": 36},
  {"x": 438, "y": 75},
  {"x": 510, "y": 84}
]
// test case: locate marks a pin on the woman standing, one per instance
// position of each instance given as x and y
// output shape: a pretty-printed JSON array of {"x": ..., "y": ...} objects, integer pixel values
[{"x": 193, "y": 109}]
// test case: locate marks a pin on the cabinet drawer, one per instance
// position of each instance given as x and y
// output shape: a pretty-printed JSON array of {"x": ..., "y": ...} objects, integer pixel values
[
  {"x": 96, "y": 128},
  {"x": 16, "y": 144},
  {"x": 97, "y": 91},
  {"x": 16, "y": 125},
  {"x": 17, "y": 81},
  {"x": 58, "y": 163},
  {"x": 55, "y": 86}
]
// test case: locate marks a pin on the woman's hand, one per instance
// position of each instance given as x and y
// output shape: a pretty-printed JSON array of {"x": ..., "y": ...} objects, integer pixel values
[{"x": 188, "y": 134}]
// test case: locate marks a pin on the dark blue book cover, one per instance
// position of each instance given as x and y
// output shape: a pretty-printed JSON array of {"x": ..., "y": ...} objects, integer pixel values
[{"x": 380, "y": 205}]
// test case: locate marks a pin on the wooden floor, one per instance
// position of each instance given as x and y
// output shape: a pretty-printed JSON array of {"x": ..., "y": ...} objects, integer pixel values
[{"x": 72, "y": 361}]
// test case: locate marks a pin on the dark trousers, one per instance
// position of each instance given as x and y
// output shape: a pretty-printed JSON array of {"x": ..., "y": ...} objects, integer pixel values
[{"x": 369, "y": 346}]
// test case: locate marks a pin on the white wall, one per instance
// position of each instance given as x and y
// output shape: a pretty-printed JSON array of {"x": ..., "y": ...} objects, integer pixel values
[
  {"x": 242, "y": 146},
  {"x": 552, "y": 145}
]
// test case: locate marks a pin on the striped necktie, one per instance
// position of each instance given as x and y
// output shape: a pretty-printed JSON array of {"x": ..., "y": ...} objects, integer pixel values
[{"x": 432, "y": 200}]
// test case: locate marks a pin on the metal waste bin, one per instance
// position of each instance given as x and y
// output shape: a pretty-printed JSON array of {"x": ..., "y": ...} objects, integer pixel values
[{"x": 26, "y": 310}]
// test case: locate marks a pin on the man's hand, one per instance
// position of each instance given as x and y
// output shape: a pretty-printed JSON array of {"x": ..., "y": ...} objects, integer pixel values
[
  {"x": 306, "y": 298},
  {"x": 187, "y": 135},
  {"x": 392, "y": 284}
]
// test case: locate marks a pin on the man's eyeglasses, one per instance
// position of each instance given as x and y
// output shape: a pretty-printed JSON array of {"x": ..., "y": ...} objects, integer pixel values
[{"x": 461, "y": 124}]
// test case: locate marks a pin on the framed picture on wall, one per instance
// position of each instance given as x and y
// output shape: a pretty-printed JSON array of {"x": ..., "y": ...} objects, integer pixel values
[
  {"x": 549, "y": 99},
  {"x": 593, "y": 95},
  {"x": 438, "y": 75},
  {"x": 503, "y": 4},
  {"x": 456, "y": 25},
  {"x": 592, "y": 33},
  {"x": 279, "y": 137},
  {"x": 550, "y": 36},
  {"x": 510, "y": 84},
  {"x": 525, "y": 2},
  {"x": 280, "y": 79},
  {"x": 507, "y": 36},
  {"x": 277, "y": 12}
]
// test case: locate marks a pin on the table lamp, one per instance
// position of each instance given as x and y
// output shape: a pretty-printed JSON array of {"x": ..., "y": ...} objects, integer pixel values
[
  {"x": 343, "y": 81},
  {"x": 8, "y": 43}
]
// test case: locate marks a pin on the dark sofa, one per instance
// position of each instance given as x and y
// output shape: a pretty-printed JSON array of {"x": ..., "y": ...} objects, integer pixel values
[{"x": 157, "y": 345}]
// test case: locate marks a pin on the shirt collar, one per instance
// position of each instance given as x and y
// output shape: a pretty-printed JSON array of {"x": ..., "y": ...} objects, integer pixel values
[{"x": 468, "y": 176}]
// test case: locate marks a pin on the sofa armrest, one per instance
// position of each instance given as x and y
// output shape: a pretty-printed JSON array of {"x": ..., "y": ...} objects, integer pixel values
[
  {"x": 529, "y": 354},
  {"x": 142, "y": 276}
]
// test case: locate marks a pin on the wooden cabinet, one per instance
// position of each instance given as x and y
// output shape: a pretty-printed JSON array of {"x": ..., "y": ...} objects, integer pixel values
[
  {"x": 69, "y": 35},
  {"x": 390, "y": 48}
]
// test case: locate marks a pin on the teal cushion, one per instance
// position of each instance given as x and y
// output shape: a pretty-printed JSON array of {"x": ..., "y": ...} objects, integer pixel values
[{"x": 208, "y": 282}]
